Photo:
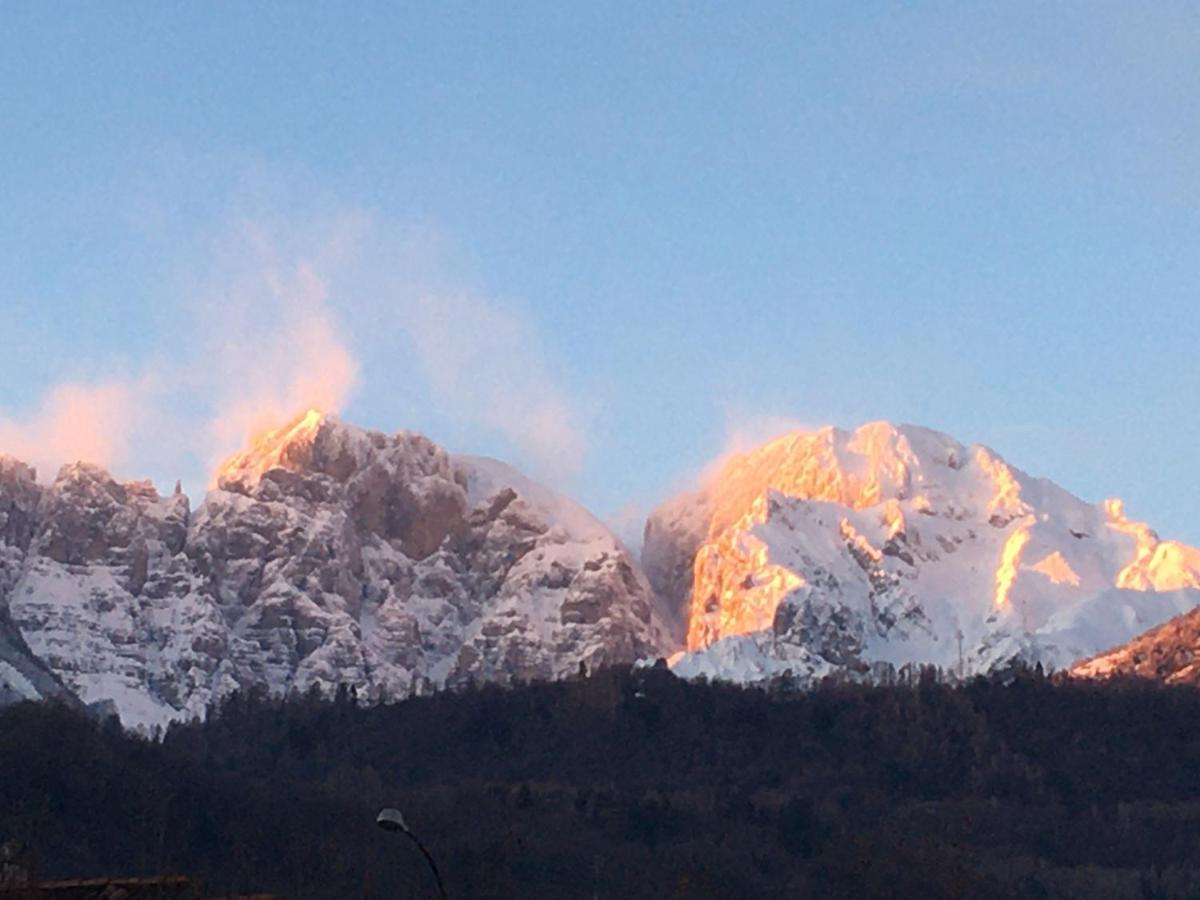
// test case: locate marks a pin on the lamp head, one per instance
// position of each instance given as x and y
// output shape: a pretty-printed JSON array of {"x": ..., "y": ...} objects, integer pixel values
[{"x": 391, "y": 820}]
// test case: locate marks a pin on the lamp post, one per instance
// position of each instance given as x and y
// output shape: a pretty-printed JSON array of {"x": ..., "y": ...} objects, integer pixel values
[{"x": 393, "y": 820}]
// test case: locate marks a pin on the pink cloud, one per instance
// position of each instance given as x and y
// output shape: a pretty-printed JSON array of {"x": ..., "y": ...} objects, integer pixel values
[{"x": 78, "y": 422}]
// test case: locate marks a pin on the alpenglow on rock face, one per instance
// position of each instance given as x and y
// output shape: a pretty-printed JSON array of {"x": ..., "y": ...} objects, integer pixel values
[
  {"x": 331, "y": 555},
  {"x": 834, "y": 551},
  {"x": 326, "y": 555}
]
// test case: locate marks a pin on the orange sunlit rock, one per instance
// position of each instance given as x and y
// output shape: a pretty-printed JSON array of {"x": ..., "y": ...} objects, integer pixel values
[
  {"x": 921, "y": 483},
  {"x": 1157, "y": 565},
  {"x": 1006, "y": 496},
  {"x": 736, "y": 589},
  {"x": 271, "y": 449},
  {"x": 1010, "y": 564},
  {"x": 900, "y": 544},
  {"x": 1056, "y": 568}
]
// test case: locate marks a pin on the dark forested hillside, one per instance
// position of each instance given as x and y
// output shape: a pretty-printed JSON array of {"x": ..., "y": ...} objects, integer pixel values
[{"x": 635, "y": 784}]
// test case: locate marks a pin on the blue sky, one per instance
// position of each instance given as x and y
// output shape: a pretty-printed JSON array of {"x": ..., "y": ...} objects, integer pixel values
[{"x": 607, "y": 241}]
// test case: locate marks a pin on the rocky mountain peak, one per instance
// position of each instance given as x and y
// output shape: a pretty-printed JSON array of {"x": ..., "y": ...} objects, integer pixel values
[
  {"x": 19, "y": 499},
  {"x": 898, "y": 544},
  {"x": 12, "y": 468},
  {"x": 401, "y": 488},
  {"x": 289, "y": 448},
  {"x": 325, "y": 554}
]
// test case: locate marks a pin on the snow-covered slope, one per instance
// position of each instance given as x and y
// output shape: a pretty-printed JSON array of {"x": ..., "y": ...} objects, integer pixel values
[
  {"x": 326, "y": 555},
  {"x": 834, "y": 551}
]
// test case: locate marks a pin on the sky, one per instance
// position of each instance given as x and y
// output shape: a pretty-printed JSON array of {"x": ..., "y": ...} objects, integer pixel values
[{"x": 606, "y": 242}]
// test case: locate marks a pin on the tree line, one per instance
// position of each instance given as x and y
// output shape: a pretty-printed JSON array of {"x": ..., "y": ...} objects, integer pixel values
[{"x": 631, "y": 784}]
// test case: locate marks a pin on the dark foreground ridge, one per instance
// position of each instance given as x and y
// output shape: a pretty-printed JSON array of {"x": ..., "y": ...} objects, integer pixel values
[{"x": 633, "y": 785}]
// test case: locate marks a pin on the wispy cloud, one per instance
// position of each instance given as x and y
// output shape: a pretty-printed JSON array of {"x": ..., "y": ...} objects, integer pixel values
[
  {"x": 258, "y": 340},
  {"x": 486, "y": 365},
  {"x": 267, "y": 320},
  {"x": 746, "y": 431},
  {"x": 272, "y": 343},
  {"x": 75, "y": 421}
]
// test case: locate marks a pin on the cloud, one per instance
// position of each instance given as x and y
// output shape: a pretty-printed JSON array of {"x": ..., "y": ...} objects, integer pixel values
[
  {"x": 272, "y": 343},
  {"x": 628, "y": 522},
  {"x": 745, "y": 432},
  {"x": 79, "y": 422},
  {"x": 255, "y": 341},
  {"x": 287, "y": 298},
  {"x": 486, "y": 365},
  {"x": 264, "y": 328}
]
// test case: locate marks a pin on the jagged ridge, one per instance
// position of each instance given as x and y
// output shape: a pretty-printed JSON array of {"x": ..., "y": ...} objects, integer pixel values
[{"x": 327, "y": 554}]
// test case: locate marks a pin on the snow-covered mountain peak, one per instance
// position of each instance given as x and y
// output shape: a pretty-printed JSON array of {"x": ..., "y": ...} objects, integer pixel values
[
  {"x": 326, "y": 554},
  {"x": 487, "y": 477},
  {"x": 86, "y": 479},
  {"x": 898, "y": 544},
  {"x": 11, "y": 467},
  {"x": 871, "y": 465},
  {"x": 288, "y": 448}
]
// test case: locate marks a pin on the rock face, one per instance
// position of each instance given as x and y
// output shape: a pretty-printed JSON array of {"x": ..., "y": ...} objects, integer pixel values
[
  {"x": 23, "y": 676},
  {"x": 326, "y": 555},
  {"x": 838, "y": 552}
]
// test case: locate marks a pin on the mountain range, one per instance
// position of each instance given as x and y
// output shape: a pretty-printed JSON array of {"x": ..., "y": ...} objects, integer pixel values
[
  {"x": 325, "y": 555},
  {"x": 328, "y": 554}
]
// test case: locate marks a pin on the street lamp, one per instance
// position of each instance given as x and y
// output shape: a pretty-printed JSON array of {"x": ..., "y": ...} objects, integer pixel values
[{"x": 393, "y": 820}]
